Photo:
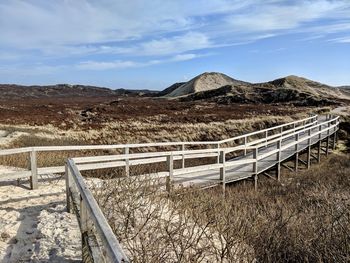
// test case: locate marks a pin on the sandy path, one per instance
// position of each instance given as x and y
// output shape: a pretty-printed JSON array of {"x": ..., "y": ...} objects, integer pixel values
[{"x": 34, "y": 224}]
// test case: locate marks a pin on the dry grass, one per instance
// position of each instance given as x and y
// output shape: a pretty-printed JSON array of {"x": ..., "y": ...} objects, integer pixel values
[{"x": 307, "y": 219}]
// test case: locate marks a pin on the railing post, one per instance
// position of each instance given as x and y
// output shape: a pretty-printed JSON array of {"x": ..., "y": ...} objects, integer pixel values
[
  {"x": 170, "y": 164},
  {"x": 222, "y": 169},
  {"x": 296, "y": 162},
  {"x": 278, "y": 167},
  {"x": 328, "y": 135},
  {"x": 183, "y": 155},
  {"x": 266, "y": 135},
  {"x": 319, "y": 130},
  {"x": 33, "y": 169},
  {"x": 255, "y": 168},
  {"x": 68, "y": 185},
  {"x": 86, "y": 228},
  {"x": 309, "y": 149},
  {"x": 334, "y": 139},
  {"x": 127, "y": 162},
  {"x": 218, "y": 147},
  {"x": 245, "y": 145},
  {"x": 328, "y": 130}
]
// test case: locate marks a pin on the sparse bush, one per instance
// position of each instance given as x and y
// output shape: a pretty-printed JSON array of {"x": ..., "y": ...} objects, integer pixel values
[{"x": 307, "y": 219}]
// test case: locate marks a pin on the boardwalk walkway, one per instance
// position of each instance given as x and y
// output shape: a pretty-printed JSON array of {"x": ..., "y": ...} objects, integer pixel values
[
  {"x": 239, "y": 158},
  {"x": 244, "y": 171}
]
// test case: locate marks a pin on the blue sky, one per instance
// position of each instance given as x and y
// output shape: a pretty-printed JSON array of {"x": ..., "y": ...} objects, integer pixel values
[{"x": 152, "y": 44}]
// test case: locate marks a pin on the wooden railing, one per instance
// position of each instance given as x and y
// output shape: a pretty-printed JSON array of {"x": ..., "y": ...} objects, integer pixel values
[
  {"x": 99, "y": 243},
  {"x": 252, "y": 152},
  {"x": 91, "y": 218},
  {"x": 248, "y": 140}
]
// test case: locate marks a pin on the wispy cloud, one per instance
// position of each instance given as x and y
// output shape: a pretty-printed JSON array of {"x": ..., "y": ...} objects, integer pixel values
[
  {"x": 112, "y": 34},
  {"x": 151, "y": 27},
  {"x": 341, "y": 39},
  {"x": 290, "y": 15},
  {"x": 124, "y": 64}
]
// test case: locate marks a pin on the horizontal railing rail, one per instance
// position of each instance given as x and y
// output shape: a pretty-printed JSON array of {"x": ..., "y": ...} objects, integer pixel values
[
  {"x": 183, "y": 153},
  {"x": 122, "y": 160},
  {"x": 92, "y": 222},
  {"x": 93, "y": 213}
]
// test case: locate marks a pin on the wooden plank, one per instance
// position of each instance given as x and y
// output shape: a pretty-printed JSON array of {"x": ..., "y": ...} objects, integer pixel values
[
  {"x": 34, "y": 170},
  {"x": 105, "y": 232},
  {"x": 287, "y": 167},
  {"x": 51, "y": 170},
  {"x": 15, "y": 175},
  {"x": 234, "y": 162},
  {"x": 265, "y": 155},
  {"x": 105, "y": 165},
  {"x": 81, "y": 160},
  {"x": 199, "y": 168},
  {"x": 15, "y": 151}
]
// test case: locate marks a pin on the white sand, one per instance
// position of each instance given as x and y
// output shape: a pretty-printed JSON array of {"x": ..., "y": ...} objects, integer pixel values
[{"x": 34, "y": 224}]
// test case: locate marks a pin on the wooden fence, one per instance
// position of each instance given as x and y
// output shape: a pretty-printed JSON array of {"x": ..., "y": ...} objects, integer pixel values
[
  {"x": 297, "y": 138},
  {"x": 246, "y": 140},
  {"x": 258, "y": 152}
]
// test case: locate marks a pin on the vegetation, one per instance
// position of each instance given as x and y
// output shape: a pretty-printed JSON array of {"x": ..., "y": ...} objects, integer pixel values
[{"x": 304, "y": 219}]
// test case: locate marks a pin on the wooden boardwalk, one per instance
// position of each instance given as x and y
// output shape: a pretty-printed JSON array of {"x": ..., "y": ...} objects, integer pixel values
[
  {"x": 240, "y": 172},
  {"x": 254, "y": 153}
]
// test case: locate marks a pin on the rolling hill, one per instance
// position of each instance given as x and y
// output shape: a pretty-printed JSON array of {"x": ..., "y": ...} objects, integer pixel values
[
  {"x": 12, "y": 91},
  {"x": 221, "y": 88},
  {"x": 203, "y": 82}
]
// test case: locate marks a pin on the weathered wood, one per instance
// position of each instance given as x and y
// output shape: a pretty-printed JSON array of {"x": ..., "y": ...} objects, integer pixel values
[
  {"x": 15, "y": 175},
  {"x": 127, "y": 161},
  {"x": 255, "y": 168},
  {"x": 302, "y": 161},
  {"x": 278, "y": 166},
  {"x": 110, "y": 243},
  {"x": 68, "y": 185},
  {"x": 34, "y": 170},
  {"x": 183, "y": 162},
  {"x": 111, "y": 161},
  {"x": 305, "y": 137},
  {"x": 287, "y": 167},
  {"x": 222, "y": 160},
  {"x": 314, "y": 156},
  {"x": 308, "y": 157},
  {"x": 170, "y": 164}
]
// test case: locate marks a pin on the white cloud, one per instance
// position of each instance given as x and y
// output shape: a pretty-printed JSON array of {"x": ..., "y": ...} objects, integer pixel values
[
  {"x": 102, "y": 65},
  {"x": 120, "y": 64},
  {"x": 166, "y": 30},
  {"x": 285, "y": 16},
  {"x": 40, "y": 23},
  {"x": 166, "y": 46},
  {"x": 341, "y": 39},
  {"x": 37, "y": 69}
]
